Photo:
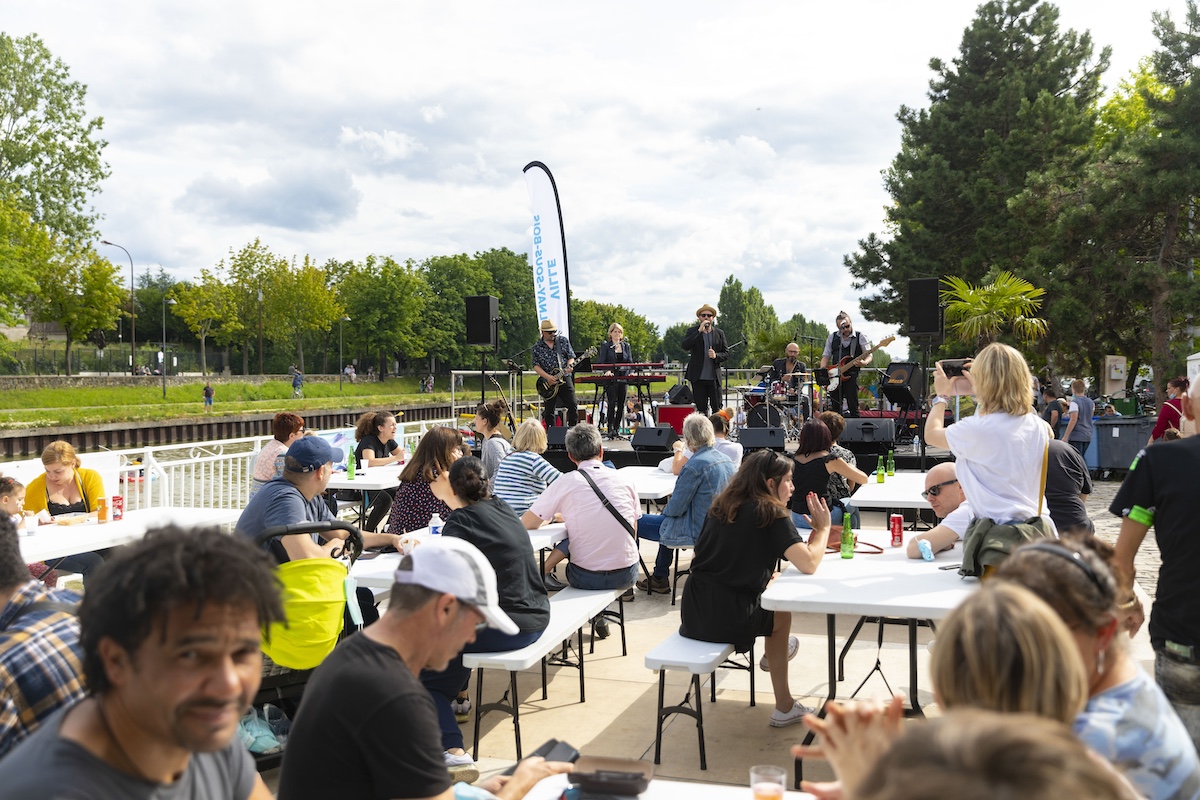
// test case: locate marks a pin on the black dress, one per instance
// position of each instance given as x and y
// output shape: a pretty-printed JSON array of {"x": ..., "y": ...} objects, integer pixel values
[
  {"x": 810, "y": 477},
  {"x": 732, "y": 566}
]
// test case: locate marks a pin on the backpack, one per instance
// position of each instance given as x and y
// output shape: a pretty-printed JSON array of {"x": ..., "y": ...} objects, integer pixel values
[{"x": 987, "y": 543}]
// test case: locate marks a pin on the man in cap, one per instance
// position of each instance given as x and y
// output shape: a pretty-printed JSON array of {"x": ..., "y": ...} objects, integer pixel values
[
  {"x": 367, "y": 727},
  {"x": 708, "y": 347},
  {"x": 553, "y": 355}
]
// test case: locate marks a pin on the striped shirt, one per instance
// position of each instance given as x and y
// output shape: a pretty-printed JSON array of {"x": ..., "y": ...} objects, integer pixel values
[
  {"x": 41, "y": 662},
  {"x": 521, "y": 477}
]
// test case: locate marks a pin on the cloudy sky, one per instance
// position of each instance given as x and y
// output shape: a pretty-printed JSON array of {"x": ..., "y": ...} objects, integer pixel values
[{"x": 689, "y": 140}]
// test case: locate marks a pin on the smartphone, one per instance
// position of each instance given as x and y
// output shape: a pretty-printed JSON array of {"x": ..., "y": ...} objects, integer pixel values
[
  {"x": 953, "y": 367},
  {"x": 551, "y": 750}
]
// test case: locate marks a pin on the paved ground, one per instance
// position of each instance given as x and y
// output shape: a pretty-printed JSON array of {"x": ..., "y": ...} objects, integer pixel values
[{"x": 1108, "y": 526}]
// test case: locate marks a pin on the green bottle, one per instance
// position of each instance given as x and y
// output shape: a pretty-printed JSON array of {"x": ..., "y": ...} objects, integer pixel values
[
  {"x": 847, "y": 538},
  {"x": 891, "y": 465},
  {"x": 350, "y": 464},
  {"x": 879, "y": 472}
]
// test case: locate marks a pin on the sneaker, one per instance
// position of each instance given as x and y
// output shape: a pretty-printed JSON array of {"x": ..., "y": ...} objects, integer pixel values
[
  {"x": 601, "y": 628},
  {"x": 655, "y": 585},
  {"x": 629, "y": 596},
  {"x": 552, "y": 583},
  {"x": 793, "y": 648},
  {"x": 462, "y": 767},
  {"x": 780, "y": 719},
  {"x": 462, "y": 708}
]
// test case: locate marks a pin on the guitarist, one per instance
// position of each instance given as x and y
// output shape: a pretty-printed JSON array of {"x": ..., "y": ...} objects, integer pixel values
[
  {"x": 553, "y": 360},
  {"x": 708, "y": 347},
  {"x": 842, "y": 344}
]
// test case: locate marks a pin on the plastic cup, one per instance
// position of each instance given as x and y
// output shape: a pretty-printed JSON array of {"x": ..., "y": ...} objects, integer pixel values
[{"x": 767, "y": 781}]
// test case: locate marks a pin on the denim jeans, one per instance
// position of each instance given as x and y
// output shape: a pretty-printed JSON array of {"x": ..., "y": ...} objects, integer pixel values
[
  {"x": 444, "y": 686},
  {"x": 1180, "y": 682},
  {"x": 82, "y": 563},
  {"x": 835, "y": 518},
  {"x": 585, "y": 579},
  {"x": 649, "y": 528}
]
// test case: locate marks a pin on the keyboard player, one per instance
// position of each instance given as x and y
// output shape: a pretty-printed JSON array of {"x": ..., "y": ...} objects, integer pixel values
[{"x": 615, "y": 351}]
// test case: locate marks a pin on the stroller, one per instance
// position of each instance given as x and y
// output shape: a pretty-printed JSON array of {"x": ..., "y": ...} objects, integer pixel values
[{"x": 317, "y": 592}]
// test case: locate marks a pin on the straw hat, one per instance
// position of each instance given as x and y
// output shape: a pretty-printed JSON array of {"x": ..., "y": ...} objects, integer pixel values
[
  {"x": 548, "y": 325},
  {"x": 706, "y": 307}
]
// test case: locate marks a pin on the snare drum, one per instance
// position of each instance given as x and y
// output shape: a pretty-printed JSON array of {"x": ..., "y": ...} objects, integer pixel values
[{"x": 757, "y": 395}]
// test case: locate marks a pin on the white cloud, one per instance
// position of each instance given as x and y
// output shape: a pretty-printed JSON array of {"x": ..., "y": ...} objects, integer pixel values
[
  {"x": 432, "y": 114},
  {"x": 387, "y": 146}
]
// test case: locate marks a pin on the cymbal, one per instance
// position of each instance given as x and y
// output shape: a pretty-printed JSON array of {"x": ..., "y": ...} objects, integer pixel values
[{"x": 764, "y": 370}]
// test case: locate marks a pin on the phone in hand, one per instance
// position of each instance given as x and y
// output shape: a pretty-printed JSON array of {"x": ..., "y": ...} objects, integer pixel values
[
  {"x": 551, "y": 750},
  {"x": 954, "y": 367}
]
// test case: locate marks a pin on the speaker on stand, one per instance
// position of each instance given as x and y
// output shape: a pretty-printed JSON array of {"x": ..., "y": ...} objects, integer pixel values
[
  {"x": 483, "y": 330},
  {"x": 925, "y": 325}
]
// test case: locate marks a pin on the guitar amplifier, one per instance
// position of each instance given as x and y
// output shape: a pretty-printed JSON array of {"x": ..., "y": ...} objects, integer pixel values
[
  {"x": 659, "y": 440},
  {"x": 674, "y": 415}
]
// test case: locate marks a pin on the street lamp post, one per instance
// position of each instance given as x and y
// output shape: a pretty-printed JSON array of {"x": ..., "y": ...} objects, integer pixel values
[
  {"x": 132, "y": 309},
  {"x": 166, "y": 302},
  {"x": 341, "y": 367}
]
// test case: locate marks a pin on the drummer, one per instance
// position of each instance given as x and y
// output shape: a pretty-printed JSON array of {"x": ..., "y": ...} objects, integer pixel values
[{"x": 786, "y": 374}]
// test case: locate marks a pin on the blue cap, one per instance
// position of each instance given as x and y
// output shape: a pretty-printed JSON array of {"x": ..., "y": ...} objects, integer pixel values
[{"x": 310, "y": 453}]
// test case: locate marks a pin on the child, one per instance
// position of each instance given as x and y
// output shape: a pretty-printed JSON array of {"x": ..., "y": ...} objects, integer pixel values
[{"x": 12, "y": 500}]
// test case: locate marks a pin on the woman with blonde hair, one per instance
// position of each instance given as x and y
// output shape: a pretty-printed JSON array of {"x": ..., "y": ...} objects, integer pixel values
[
  {"x": 615, "y": 350},
  {"x": 1001, "y": 450},
  {"x": 66, "y": 487},
  {"x": 523, "y": 474}
]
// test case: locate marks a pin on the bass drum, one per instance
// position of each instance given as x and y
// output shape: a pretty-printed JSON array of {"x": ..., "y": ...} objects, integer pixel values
[{"x": 764, "y": 416}]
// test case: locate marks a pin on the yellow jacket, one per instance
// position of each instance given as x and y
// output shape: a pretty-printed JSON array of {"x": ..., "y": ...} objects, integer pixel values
[{"x": 91, "y": 488}]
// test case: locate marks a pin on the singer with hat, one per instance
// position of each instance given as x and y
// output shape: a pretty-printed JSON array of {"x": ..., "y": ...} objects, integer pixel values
[
  {"x": 553, "y": 360},
  {"x": 365, "y": 711},
  {"x": 708, "y": 348}
]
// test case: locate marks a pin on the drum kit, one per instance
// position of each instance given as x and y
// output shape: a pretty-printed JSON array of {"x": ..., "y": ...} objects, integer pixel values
[{"x": 777, "y": 404}]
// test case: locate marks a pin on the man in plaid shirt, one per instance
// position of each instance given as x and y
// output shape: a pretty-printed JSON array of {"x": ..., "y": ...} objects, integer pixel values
[{"x": 41, "y": 663}]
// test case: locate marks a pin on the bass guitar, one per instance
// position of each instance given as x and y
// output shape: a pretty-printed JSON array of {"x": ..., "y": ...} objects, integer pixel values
[
  {"x": 547, "y": 390},
  {"x": 850, "y": 362}
]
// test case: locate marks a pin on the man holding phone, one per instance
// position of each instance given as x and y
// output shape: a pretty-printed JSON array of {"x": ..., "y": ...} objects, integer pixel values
[{"x": 708, "y": 347}]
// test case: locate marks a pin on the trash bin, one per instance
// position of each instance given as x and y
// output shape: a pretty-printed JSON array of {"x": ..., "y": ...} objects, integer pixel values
[
  {"x": 1120, "y": 439},
  {"x": 1126, "y": 406}
]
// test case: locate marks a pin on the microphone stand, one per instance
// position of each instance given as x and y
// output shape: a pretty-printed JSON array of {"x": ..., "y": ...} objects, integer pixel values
[{"x": 725, "y": 396}]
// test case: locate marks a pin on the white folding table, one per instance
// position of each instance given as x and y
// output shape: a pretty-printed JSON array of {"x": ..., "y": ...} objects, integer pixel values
[
  {"x": 366, "y": 481},
  {"x": 49, "y": 542},
  {"x": 902, "y": 490}
]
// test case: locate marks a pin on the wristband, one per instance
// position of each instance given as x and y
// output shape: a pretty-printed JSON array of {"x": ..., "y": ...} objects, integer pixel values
[
  {"x": 941, "y": 398},
  {"x": 1142, "y": 516}
]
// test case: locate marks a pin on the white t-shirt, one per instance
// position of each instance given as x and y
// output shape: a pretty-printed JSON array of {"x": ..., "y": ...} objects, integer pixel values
[
  {"x": 999, "y": 464},
  {"x": 958, "y": 519}
]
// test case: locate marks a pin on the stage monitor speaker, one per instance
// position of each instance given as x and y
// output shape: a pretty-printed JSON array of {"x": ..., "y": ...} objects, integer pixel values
[
  {"x": 680, "y": 395},
  {"x": 482, "y": 312},
  {"x": 924, "y": 309},
  {"x": 762, "y": 439},
  {"x": 656, "y": 440},
  {"x": 556, "y": 437},
  {"x": 897, "y": 381},
  {"x": 869, "y": 430}
]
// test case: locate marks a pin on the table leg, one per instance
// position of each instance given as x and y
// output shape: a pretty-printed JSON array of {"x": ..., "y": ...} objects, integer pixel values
[
  {"x": 832, "y": 655},
  {"x": 912, "y": 668}
]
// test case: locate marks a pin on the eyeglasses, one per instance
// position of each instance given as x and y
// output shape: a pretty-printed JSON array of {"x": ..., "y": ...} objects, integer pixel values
[
  {"x": 846, "y": 327},
  {"x": 702, "y": 316},
  {"x": 936, "y": 489}
]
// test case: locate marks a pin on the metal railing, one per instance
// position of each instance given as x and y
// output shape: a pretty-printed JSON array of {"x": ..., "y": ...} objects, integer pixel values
[{"x": 212, "y": 474}]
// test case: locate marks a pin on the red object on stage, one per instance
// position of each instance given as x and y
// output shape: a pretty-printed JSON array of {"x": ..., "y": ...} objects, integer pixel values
[
  {"x": 645, "y": 380},
  {"x": 675, "y": 415}
]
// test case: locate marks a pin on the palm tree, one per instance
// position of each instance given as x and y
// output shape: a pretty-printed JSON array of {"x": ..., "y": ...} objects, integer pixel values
[{"x": 979, "y": 314}]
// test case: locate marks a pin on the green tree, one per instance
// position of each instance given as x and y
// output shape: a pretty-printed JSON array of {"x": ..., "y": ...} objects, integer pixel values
[
  {"x": 443, "y": 327},
  {"x": 1018, "y": 97},
  {"x": 743, "y": 315},
  {"x": 206, "y": 308},
  {"x": 49, "y": 151},
  {"x": 512, "y": 283},
  {"x": 79, "y": 290},
  {"x": 384, "y": 300},
  {"x": 24, "y": 247},
  {"x": 296, "y": 302},
  {"x": 248, "y": 270},
  {"x": 979, "y": 314},
  {"x": 672, "y": 343}
]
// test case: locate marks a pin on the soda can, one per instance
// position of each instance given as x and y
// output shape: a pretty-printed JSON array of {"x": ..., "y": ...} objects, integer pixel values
[
  {"x": 896, "y": 524},
  {"x": 118, "y": 507}
]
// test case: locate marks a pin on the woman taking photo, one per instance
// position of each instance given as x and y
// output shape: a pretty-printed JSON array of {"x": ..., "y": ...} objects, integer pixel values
[
  {"x": 494, "y": 446},
  {"x": 488, "y": 524},
  {"x": 1000, "y": 450},
  {"x": 615, "y": 351},
  {"x": 1171, "y": 414},
  {"x": 66, "y": 488},
  {"x": 268, "y": 464},
  {"x": 376, "y": 436},
  {"x": 814, "y": 464},
  {"x": 415, "y": 503},
  {"x": 523, "y": 474},
  {"x": 747, "y": 531}
]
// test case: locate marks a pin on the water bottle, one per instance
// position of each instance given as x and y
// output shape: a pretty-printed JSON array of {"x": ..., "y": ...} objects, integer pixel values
[
  {"x": 916, "y": 443},
  {"x": 435, "y": 525},
  {"x": 350, "y": 464},
  {"x": 847, "y": 538},
  {"x": 891, "y": 464}
]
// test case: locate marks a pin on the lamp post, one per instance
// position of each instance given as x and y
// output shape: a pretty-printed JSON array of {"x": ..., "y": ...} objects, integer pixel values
[
  {"x": 260, "y": 353},
  {"x": 132, "y": 309},
  {"x": 341, "y": 367},
  {"x": 167, "y": 301}
]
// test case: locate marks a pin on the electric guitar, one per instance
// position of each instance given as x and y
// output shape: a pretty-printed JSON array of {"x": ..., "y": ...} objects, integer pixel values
[
  {"x": 547, "y": 390},
  {"x": 850, "y": 362}
]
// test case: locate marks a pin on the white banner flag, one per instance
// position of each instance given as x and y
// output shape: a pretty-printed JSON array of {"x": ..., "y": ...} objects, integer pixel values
[{"x": 548, "y": 257}]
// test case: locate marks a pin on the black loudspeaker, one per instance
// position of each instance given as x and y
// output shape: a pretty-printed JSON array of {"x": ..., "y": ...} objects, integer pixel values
[
  {"x": 657, "y": 440},
  {"x": 924, "y": 309},
  {"x": 680, "y": 395},
  {"x": 897, "y": 382},
  {"x": 482, "y": 312},
  {"x": 869, "y": 430},
  {"x": 762, "y": 439},
  {"x": 556, "y": 437}
]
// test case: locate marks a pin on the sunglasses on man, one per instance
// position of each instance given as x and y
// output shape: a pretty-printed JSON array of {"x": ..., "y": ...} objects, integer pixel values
[{"x": 936, "y": 489}]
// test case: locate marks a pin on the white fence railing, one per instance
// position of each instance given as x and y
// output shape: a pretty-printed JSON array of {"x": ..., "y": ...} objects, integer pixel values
[{"x": 212, "y": 474}]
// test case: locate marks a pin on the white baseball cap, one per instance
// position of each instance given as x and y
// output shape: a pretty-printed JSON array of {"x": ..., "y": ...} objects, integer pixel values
[{"x": 455, "y": 566}]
